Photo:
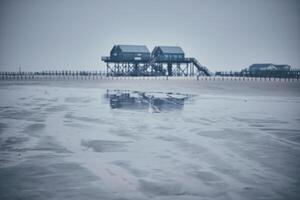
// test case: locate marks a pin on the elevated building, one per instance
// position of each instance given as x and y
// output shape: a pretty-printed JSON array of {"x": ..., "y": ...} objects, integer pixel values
[
  {"x": 268, "y": 67},
  {"x": 136, "y": 60},
  {"x": 130, "y": 53},
  {"x": 168, "y": 53}
]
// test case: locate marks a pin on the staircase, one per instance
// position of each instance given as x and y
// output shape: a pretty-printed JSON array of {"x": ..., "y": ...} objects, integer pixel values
[
  {"x": 200, "y": 67},
  {"x": 152, "y": 61},
  {"x": 155, "y": 67}
]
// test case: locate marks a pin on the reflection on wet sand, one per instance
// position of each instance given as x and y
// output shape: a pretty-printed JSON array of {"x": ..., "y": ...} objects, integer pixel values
[{"x": 151, "y": 101}]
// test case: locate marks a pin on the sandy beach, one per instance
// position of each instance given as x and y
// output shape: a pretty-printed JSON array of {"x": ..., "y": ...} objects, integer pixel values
[{"x": 221, "y": 140}]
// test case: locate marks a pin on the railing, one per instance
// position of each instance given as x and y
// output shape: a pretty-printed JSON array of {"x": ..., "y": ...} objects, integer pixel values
[{"x": 199, "y": 66}]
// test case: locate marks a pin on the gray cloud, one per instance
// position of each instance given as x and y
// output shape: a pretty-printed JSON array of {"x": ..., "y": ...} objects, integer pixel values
[{"x": 74, "y": 34}]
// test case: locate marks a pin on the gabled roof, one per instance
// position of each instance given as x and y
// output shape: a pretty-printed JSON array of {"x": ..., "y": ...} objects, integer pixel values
[
  {"x": 282, "y": 66},
  {"x": 171, "y": 49},
  {"x": 134, "y": 48},
  {"x": 262, "y": 65},
  {"x": 268, "y": 65}
]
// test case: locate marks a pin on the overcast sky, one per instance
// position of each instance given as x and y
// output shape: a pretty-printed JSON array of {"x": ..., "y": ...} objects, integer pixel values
[{"x": 74, "y": 34}]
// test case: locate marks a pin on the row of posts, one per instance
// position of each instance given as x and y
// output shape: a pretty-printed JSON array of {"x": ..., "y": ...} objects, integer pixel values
[
  {"x": 293, "y": 73},
  {"x": 98, "y": 75},
  {"x": 248, "y": 79},
  {"x": 71, "y": 76}
]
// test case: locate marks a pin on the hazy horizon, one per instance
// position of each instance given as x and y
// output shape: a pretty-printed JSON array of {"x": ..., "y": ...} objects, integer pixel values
[{"x": 73, "y": 35}]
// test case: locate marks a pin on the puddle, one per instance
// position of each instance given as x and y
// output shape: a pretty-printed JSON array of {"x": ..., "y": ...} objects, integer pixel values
[{"x": 153, "y": 102}]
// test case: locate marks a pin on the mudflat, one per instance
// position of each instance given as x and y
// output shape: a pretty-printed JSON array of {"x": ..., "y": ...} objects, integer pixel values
[{"x": 149, "y": 139}]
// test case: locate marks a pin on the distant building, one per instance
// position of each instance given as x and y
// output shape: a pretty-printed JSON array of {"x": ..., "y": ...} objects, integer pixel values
[
  {"x": 268, "y": 67},
  {"x": 168, "y": 53},
  {"x": 130, "y": 53}
]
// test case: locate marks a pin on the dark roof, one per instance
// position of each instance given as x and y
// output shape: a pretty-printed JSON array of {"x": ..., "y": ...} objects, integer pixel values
[
  {"x": 260, "y": 65},
  {"x": 265, "y": 65},
  {"x": 282, "y": 66},
  {"x": 134, "y": 48},
  {"x": 171, "y": 49}
]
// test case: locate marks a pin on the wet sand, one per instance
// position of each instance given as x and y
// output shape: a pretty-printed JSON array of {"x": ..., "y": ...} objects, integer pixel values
[{"x": 229, "y": 140}]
